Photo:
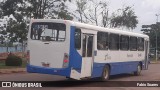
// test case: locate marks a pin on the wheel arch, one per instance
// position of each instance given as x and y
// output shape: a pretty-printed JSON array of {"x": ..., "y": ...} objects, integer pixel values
[{"x": 108, "y": 66}]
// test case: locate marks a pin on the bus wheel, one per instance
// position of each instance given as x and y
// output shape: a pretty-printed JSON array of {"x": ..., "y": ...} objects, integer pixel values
[
  {"x": 138, "y": 72},
  {"x": 106, "y": 73},
  {"x": 69, "y": 79}
]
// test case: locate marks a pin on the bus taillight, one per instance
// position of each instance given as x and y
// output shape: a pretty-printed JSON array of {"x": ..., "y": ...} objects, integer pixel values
[{"x": 65, "y": 60}]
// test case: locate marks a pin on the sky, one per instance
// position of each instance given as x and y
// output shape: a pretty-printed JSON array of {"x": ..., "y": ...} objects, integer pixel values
[{"x": 145, "y": 10}]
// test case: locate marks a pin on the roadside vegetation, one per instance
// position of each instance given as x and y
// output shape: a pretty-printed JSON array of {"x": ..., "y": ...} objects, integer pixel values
[
  {"x": 13, "y": 61},
  {"x": 3, "y": 66}
]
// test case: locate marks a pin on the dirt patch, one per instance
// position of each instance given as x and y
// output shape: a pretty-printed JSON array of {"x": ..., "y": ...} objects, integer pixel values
[{"x": 14, "y": 70}]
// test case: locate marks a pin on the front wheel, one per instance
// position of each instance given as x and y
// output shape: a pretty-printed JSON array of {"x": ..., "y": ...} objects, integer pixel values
[
  {"x": 106, "y": 73},
  {"x": 138, "y": 72}
]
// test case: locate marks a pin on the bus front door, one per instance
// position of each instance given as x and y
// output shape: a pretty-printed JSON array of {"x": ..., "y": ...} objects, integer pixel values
[{"x": 87, "y": 55}]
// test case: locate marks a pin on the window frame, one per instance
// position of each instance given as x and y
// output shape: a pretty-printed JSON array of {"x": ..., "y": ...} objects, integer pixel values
[
  {"x": 79, "y": 29},
  {"x": 130, "y": 43},
  {"x": 106, "y": 41},
  {"x": 138, "y": 44},
  {"x": 126, "y": 49},
  {"x": 45, "y": 23},
  {"x": 110, "y": 36}
]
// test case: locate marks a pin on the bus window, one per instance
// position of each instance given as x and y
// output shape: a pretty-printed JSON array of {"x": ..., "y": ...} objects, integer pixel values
[
  {"x": 133, "y": 43},
  {"x": 140, "y": 44},
  {"x": 84, "y": 45},
  {"x": 114, "y": 42},
  {"x": 124, "y": 42},
  {"x": 77, "y": 38},
  {"x": 90, "y": 46},
  {"x": 102, "y": 41},
  {"x": 46, "y": 31}
]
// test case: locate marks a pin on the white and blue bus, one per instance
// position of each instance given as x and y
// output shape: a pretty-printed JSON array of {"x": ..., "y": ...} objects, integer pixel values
[{"x": 76, "y": 50}]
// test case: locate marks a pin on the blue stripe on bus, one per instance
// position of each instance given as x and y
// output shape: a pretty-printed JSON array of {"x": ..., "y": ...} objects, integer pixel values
[
  {"x": 123, "y": 67},
  {"x": 47, "y": 70},
  {"x": 116, "y": 68},
  {"x": 75, "y": 59}
]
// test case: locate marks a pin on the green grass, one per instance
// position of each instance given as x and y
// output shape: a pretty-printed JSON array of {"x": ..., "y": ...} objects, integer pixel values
[{"x": 3, "y": 66}]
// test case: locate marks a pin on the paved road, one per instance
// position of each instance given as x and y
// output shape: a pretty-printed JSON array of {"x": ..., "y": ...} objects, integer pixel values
[{"x": 152, "y": 74}]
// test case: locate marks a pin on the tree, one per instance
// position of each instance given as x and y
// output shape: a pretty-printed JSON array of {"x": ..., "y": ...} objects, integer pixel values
[
  {"x": 91, "y": 11},
  {"x": 97, "y": 12},
  {"x": 105, "y": 12},
  {"x": 22, "y": 11},
  {"x": 152, "y": 31},
  {"x": 81, "y": 7},
  {"x": 124, "y": 18},
  {"x": 47, "y": 9},
  {"x": 3, "y": 34}
]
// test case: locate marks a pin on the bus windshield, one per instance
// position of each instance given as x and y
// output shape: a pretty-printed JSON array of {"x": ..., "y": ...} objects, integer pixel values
[{"x": 47, "y": 31}]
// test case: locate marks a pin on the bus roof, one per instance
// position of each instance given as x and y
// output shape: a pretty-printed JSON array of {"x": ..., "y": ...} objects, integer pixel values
[
  {"x": 116, "y": 31},
  {"x": 92, "y": 27}
]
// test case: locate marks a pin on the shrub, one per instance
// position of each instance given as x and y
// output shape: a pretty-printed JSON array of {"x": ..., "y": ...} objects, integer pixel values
[{"x": 13, "y": 60}]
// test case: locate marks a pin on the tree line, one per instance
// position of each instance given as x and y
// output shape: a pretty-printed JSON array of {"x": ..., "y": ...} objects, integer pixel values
[
  {"x": 20, "y": 12},
  {"x": 153, "y": 31}
]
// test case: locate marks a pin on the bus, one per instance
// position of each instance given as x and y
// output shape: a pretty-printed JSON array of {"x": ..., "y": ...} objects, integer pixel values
[{"x": 81, "y": 51}]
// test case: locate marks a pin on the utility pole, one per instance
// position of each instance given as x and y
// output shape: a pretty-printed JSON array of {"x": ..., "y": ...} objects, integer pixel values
[{"x": 157, "y": 15}]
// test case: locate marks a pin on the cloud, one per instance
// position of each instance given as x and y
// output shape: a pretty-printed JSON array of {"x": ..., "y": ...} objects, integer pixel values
[
  {"x": 144, "y": 9},
  {"x": 152, "y": 4}
]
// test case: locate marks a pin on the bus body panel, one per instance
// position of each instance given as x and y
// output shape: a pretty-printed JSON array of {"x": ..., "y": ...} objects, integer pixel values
[
  {"x": 119, "y": 61},
  {"x": 75, "y": 56},
  {"x": 44, "y": 70},
  {"x": 49, "y": 52},
  {"x": 116, "y": 68}
]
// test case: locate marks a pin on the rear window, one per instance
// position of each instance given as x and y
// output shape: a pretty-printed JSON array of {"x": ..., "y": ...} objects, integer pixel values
[{"x": 48, "y": 31}]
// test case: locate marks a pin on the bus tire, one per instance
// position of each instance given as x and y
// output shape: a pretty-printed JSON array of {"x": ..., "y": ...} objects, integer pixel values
[
  {"x": 138, "y": 72},
  {"x": 69, "y": 79},
  {"x": 105, "y": 73}
]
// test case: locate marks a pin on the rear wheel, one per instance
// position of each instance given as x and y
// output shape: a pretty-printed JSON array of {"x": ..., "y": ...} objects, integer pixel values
[
  {"x": 106, "y": 73},
  {"x": 138, "y": 72},
  {"x": 69, "y": 79}
]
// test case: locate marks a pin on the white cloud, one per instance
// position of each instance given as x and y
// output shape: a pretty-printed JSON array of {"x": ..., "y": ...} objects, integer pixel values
[
  {"x": 152, "y": 4},
  {"x": 144, "y": 9}
]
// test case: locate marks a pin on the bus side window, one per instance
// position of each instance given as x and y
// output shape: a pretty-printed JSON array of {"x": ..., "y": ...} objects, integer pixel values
[
  {"x": 124, "y": 42},
  {"x": 102, "y": 41},
  {"x": 140, "y": 44},
  {"x": 133, "y": 43},
  {"x": 77, "y": 38},
  {"x": 114, "y": 41}
]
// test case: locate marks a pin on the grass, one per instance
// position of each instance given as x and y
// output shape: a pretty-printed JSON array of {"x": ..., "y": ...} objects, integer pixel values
[{"x": 3, "y": 66}]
